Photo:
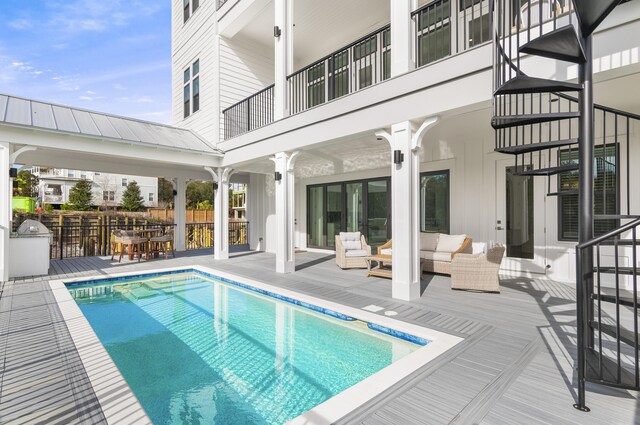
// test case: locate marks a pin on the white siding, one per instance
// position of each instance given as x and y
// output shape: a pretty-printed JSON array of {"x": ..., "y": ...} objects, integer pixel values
[
  {"x": 192, "y": 40},
  {"x": 244, "y": 70}
]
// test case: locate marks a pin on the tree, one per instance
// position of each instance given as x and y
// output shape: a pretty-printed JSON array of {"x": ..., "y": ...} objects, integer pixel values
[
  {"x": 197, "y": 192},
  {"x": 131, "y": 198},
  {"x": 81, "y": 196},
  {"x": 107, "y": 189},
  {"x": 27, "y": 184},
  {"x": 165, "y": 192}
]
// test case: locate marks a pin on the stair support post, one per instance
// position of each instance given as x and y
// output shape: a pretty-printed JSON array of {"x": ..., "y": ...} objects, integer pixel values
[{"x": 584, "y": 263}]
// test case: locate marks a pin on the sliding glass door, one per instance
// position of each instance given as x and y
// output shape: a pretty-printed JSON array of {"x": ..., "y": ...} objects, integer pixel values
[
  {"x": 377, "y": 212},
  {"x": 334, "y": 213},
  {"x": 355, "y": 206}
]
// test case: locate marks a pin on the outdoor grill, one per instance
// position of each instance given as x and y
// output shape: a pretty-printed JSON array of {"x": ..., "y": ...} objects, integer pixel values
[{"x": 29, "y": 249}]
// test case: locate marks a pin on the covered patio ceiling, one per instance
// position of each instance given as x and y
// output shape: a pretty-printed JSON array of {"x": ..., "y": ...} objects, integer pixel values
[{"x": 51, "y": 135}]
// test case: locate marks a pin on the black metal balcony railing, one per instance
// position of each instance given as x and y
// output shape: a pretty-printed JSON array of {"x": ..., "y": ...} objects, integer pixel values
[
  {"x": 362, "y": 63},
  {"x": 248, "y": 114},
  {"x": 443, "y": 28}
]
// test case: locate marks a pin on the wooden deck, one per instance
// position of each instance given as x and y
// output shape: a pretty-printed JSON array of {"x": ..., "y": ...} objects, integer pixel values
[{"x": 514, "y": 366}]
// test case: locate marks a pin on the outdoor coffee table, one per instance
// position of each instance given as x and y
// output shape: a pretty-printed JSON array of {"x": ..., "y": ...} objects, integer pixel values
[{"x": 380, "y": 265}]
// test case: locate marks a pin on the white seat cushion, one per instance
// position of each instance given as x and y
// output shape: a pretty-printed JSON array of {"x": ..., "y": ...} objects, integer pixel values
[
  {"x": 351, "y": 240},
  {"x": 436, "y": 256},
  {"x": 356, "y": 253},
  {"x": 385, "y": 251},
  {"x": 428, "y": 241},
  {"x": 478, "y": 248},
  {"x": 450, "y": 243}
]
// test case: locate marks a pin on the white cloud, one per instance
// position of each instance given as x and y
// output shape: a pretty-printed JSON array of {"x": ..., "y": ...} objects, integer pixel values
[{"x": 21, "y": 24}]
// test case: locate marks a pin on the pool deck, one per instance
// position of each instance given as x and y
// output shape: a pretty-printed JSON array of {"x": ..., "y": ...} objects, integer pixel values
[{"x": 514, "y": 366}]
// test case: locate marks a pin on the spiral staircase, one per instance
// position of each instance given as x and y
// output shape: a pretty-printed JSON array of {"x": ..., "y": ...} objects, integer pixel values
[{"x": 553, "y": 129}]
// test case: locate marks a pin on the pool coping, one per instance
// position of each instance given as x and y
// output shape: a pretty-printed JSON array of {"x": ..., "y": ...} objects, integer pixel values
[{"x": 104, "y": 375}]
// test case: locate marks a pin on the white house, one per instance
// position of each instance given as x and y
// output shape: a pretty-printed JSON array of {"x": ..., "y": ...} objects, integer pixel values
[
  {"x": 56, "y": 183},
  {"x": 324, "y": 93}
]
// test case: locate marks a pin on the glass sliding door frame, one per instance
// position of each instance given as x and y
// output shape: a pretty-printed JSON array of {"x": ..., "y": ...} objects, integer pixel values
[{"x": 343, "y": 225}]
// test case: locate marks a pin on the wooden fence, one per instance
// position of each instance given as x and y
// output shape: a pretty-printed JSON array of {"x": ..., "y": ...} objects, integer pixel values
[{"x": 193, "y": 216}]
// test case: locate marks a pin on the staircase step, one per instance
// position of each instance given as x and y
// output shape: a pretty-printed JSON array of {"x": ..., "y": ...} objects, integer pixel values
[
  {"x": 508, "y": 121},
  {"x": 547, "y": 171},
  {"x": 563, "y": 193},
  {"x": 611, "y": 270},
  {"x": 621, "y": 242},
  {"x": 534, "y": 147},
  {"x": 609, "y": 371},
  {"x": 615, "y": 217},
  {"x": 626, "y": 300},
  {"x": 561, "y": 44},
  {"x": 626, "y": 336},
  {"x": 525, "y": 84},
  {"x": 591, "y": 13}
]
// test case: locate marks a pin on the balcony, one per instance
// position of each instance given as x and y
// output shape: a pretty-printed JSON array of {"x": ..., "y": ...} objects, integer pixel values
[{"x": 441, "y": 28}]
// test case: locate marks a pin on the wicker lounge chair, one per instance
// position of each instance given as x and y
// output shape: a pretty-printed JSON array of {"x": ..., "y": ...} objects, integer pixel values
[
  {"x": 477, "y": 272},
  {"x": 351, "y": 250}
]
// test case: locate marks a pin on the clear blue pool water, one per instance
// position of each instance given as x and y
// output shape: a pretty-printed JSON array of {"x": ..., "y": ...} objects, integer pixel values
[{"x": 195, "y": 350}]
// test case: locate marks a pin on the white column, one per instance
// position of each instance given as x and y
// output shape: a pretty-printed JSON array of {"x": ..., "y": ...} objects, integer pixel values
[
  {"x": 402, "y": 51},
  {"x": 5, "y": 210},
  {"x": 405, "y": 214},
  {"x": 180, "y": 213},
  {"x": 221, "y": 211},
  {"x": 285, "y": 212},
  {"x": 283, "y": 19}
]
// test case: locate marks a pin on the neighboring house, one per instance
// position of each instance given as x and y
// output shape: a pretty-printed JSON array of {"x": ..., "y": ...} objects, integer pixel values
[
  {"x": 275, "y": 77},
  {"x": 56, "y": 183}
]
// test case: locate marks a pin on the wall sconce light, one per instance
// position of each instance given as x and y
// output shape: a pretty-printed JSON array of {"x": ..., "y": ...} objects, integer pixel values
[
  {"x": 175, "y": 193},
  {"x": 215, "y": 185},
  {"x": 278, "y": 176},
  {"x": 398, "y": 156},
  {"x": 16, "y": 184},
  {"x": 277, "y": 31},
  {"x": 13, "y": 173}
]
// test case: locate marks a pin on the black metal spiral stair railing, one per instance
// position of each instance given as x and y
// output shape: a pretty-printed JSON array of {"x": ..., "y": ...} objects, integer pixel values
[{"x": 551, "y": 133}]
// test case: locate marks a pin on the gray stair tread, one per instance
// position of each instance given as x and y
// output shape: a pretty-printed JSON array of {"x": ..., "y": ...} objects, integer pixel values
[
  {"x": 547, "y": 171},
  {"x": 522, "y": 83},
  {"x": 561, "y": 44},
  {"x": 592, "y": 12},
  {"x": 534, "y": 147},
  {"x": 507, "y": 121}
]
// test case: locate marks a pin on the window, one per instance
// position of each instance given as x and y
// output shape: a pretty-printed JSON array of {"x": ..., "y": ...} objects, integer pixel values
[
  {"x": 315, "y": 85},
  {"x": 193, "y": 5},
  {"x": 83, "y": 175},
  {"x": 605, "y": 192},
  {"x": 434, "y": 33},
  {"x": 96, "y": 174},
  {"x": 479, "y": 30},
  {"x": 196, "y": 86},
  {"x": 150, "y": 196},
  {"x": 191, "y": 81},
  {"x": 108, "y": 195},
  {"x": 434, "y": 201},
  {"x": 71, "y": 174},
  {"x": 124, "y": 182}
]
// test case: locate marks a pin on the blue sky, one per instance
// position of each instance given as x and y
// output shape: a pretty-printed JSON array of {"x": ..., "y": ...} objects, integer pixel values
[{"x": 107, "y": 55}]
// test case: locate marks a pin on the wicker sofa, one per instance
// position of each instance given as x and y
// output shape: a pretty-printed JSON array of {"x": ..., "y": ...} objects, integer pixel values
[
  {"x": 351, "y": 250},
  {"x": 436, "y": 252},
  {"x": 478, "y": 272}
]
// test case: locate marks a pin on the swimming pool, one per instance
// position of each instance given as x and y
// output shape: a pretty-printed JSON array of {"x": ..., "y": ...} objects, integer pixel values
[{"x": 195, "y": 349}]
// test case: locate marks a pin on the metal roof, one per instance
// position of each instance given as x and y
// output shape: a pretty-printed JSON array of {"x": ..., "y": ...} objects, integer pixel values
[{"x": 21, "y": 112}]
